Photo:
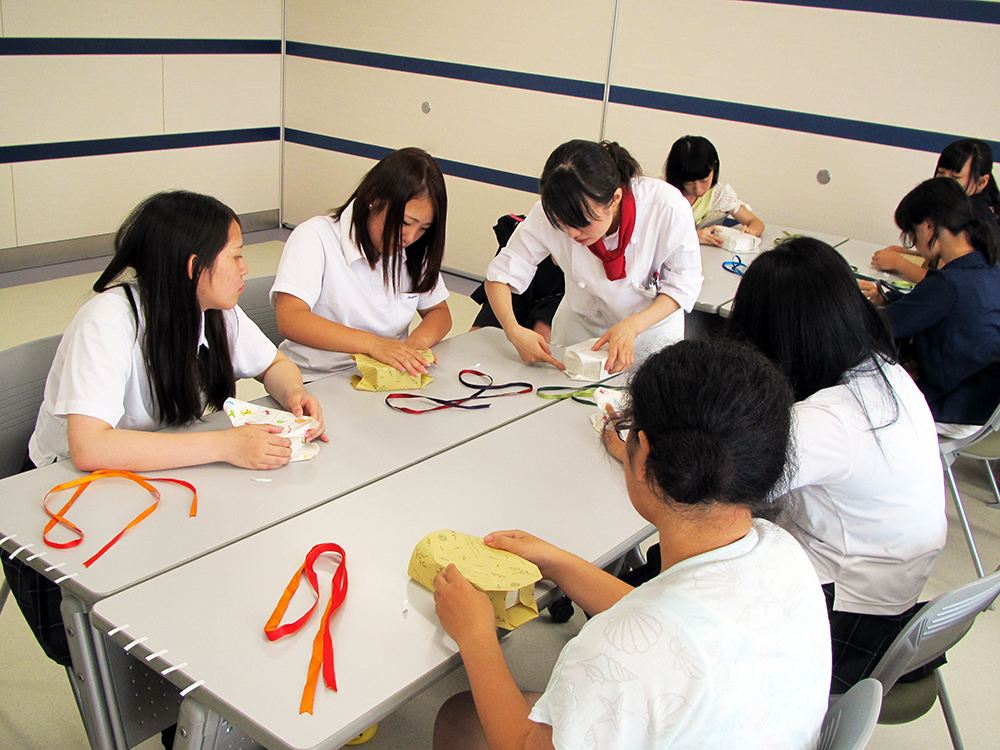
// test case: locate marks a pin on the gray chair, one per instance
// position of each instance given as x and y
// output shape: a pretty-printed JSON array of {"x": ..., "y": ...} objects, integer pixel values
[
  {"x": 984, "y": 445},
  {"x": 938, "y": 626},
  {"x": 255, "y": 302},
  {"x": 23, "y": 370},
  {"x": 851, "y": 718}
]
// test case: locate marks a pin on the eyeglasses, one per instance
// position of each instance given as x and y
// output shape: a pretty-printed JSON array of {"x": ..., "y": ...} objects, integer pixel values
[{"x": 623, "y": 427}]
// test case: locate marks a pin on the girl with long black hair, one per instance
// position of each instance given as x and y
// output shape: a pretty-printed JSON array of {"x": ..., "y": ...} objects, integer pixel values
[{"x": 866, "y": 495}]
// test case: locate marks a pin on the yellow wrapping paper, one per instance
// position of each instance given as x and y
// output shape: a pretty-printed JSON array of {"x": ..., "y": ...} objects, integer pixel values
[
  {"x": 378, "y": 376},
  {"x": 508, "y": 580}
]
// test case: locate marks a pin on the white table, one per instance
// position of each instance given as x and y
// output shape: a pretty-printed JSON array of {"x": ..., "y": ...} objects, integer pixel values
[
  {"x": 775, "y": 232},
  {"x": 546, "y": 473},
  {"x": 368, "y": 441},
  {"x": 859, "y": 254}
]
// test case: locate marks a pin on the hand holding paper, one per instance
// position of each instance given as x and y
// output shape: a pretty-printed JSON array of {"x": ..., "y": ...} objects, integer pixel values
[{"x": 295, "y": 429}]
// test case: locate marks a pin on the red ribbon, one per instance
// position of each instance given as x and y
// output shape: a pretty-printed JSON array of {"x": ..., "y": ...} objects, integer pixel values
[
  {"x": 322, "y": 653},
  {"x": 82, "y": 484},
  {"x": 614, "y": 260}
]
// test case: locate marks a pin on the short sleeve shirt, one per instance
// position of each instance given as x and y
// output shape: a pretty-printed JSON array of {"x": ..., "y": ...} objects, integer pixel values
[
  {"x": 323, "y": 267},
  {"x": 729, "y": 649},
  {"x": 98, "y": 371}
]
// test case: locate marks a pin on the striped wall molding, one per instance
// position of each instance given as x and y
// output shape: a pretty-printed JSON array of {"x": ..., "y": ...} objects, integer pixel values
[{"x": 974, "y": 11}]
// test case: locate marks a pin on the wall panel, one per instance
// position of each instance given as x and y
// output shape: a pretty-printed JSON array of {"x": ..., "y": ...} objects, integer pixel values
[
  {"x": 8, "y": 229},
  {"x": 493, "y": 126},
  {"x": 220, "y": 92},
  {"x": 240, "y": 175},
  {"x": 228, "y": 19},
  {"x": 79, "y": 97},
  {"x": 567, "y": 38}
]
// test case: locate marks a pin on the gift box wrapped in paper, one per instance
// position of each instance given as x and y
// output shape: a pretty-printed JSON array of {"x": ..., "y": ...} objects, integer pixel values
[
  {"x": 584, "y": 364},
  {"x": 736, "y": 241},
  {"x": 508, "y": 580},
  {"x": 294, "y": 428},
  {"x": 378, "y": 376}
]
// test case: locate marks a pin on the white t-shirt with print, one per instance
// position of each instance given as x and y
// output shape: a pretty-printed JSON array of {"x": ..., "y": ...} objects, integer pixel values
[{"x": 729, "y": 649}]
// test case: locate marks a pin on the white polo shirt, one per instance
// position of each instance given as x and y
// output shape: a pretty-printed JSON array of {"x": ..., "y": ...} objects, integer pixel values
[
  {"x": 98, "y": 371},
  {"x": 323, "y": 267},
  {"x": 663, "y": 257},
  {"x": 868, "y": 507}
]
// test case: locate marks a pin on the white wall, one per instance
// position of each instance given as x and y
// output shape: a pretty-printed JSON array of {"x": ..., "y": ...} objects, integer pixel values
[
  {"x": 53, "y": 99},
  {"x": 800, "y": 67}
]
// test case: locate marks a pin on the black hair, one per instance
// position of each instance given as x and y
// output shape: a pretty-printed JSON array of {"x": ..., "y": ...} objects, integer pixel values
[
  {"x": 979, "y": 156},
  {"x": 717, "y": 416},
  {"x": 945, "y": 203},
  {"x": 691, "y": 158},
  {"x": 392, "y": 183},
  {"x": 155, "y": 243},
  {"x": 579, "y": 175},
  {"x": 800, "y": 305}
]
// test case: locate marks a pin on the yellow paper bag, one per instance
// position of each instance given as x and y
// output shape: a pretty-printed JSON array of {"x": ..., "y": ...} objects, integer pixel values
[
  {"x": 378, "y": 376},
  {"x": 507, "y": 579}
]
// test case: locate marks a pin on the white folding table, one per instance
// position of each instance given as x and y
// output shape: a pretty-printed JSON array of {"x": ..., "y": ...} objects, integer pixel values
[{"x": 546, "y": 473}]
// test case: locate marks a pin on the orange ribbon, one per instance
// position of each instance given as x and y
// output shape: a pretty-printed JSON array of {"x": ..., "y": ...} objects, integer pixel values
[
  {"x": 82, "y": 484},
  {"x": 322, "y": 651}
]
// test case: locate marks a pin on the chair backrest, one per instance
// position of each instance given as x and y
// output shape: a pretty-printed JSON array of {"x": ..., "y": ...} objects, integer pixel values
[
  {"x": 255, "y": 302},
  {"x": 988, "y": 436},
  {"x": 938, "y": 626},
  {"x": 851, "y": 719},
  {"x": 23, "y": 370}
]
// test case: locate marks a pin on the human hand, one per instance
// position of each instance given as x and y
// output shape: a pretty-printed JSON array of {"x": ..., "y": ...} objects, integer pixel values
[
  {"x": 399, "y": 354},
  {"x": 532, "y": 347},
  {"x": 300, "y": 403},
  {"x": 871, "y": 291},
  {"x": 710, "y": 236},
  {"x": 256, "y": 446},
  {"x": 888, "y": 258},
  {"x": 465, "y": 612},
  {"x": 531, "y": 548},
  {"x": 620, "y": 339},
  {"x": 609, "y": 436}
]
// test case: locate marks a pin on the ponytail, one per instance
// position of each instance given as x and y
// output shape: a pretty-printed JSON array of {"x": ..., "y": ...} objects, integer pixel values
[
  {"x": 983, "y": 236},
  {"x": 628, "y": 167}
]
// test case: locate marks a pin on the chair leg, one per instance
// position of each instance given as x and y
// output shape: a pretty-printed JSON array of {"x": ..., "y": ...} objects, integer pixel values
[
  {"x": 993, "y": 483},
  {"x": 949, "y": 714},
  {"x": 965, "y": 521}
]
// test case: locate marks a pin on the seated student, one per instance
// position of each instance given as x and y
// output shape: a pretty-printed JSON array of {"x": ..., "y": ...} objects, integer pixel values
[
  {"x": 626, "y": 245},
  {"x": 728, "y": 647},
  {"x": 866, "y": 497},
  {"x": 969, "y": 161},
  {"x": 951, "y": 319},
  {"x": 161, "y": 342},
  {"x": 350, "y": 282},
  {"x": 693, "y": 168}
]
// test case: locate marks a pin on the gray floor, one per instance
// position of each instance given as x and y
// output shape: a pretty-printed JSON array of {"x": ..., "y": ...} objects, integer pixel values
[{"x": 36, "y": 704}]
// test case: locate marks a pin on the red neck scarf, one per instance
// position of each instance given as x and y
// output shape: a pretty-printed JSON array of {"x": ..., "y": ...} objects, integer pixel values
[{"x": 614, "y": 260}]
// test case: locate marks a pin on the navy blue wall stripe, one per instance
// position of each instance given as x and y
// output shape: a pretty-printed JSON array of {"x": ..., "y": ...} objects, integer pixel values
[
  {"x": 453, "y": 168},
  {"x": 975, "y": 11},
  {"x": 103, "y": 146},
  {"x": 78, "y": 46},
  {"x": 439, "y": 69},
  {"x": 835, "y": 127}
]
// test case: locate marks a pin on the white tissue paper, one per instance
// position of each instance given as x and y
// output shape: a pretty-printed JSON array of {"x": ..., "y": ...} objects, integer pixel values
[
  {"x": 583, "y": 364},
  {"x": 294, "y": 428},
  {"x": 736, "y": 241},
  {"x": 604, "y": 397}
]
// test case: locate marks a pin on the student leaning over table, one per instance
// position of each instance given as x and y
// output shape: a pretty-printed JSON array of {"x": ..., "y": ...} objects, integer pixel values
[
  {"x": 626, "y": 244},
  {"x": 728, "y": 647},
  {"x": 866, "y": 497},
  {"x": 162, "y": 341},
  {"x": 950, "y": 321},
  {"x": 968, "y": 161},
  {"x": 350, "y": 282}
]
